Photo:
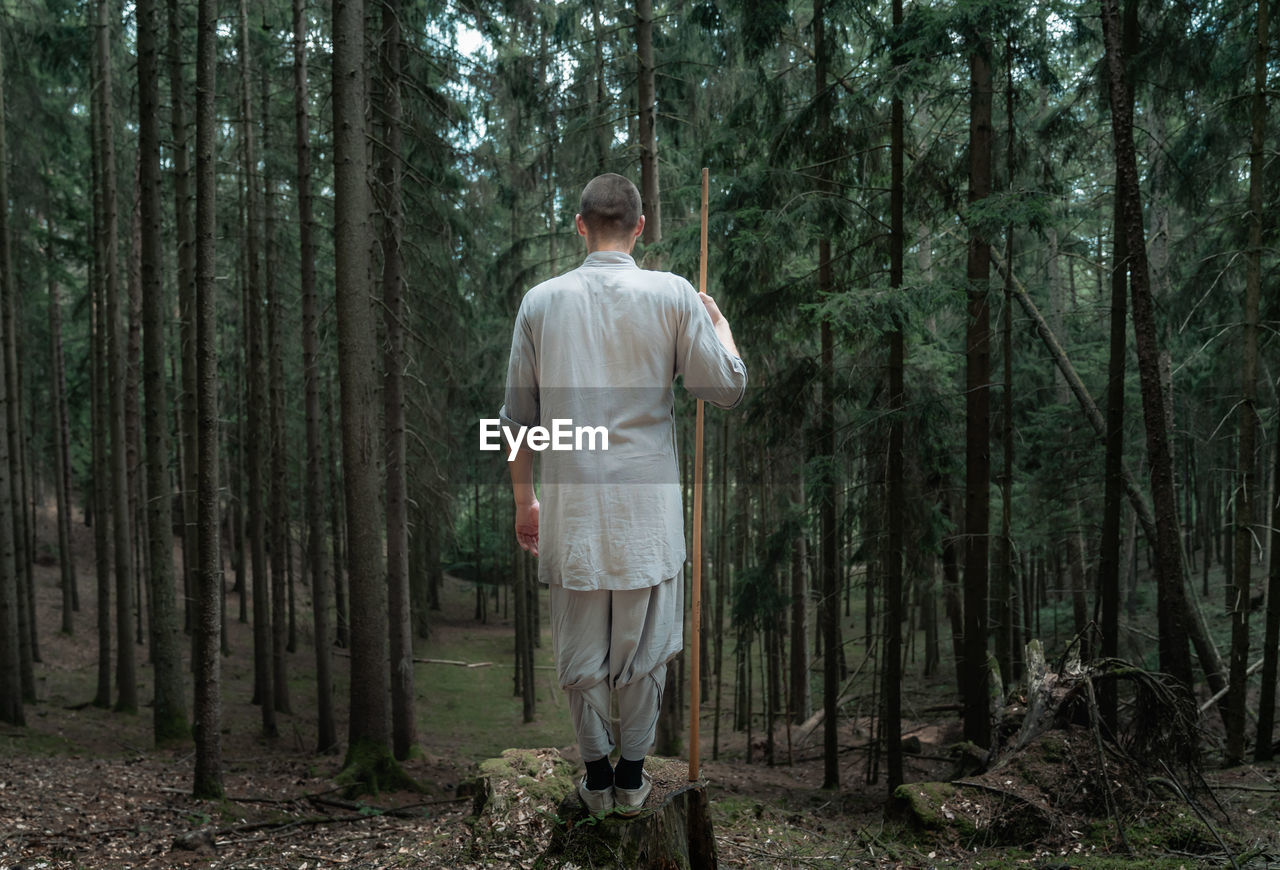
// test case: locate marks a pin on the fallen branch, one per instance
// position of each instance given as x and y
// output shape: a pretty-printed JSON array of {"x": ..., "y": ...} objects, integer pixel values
[
  {"x": 1249, "y": 673},
  {"x": 456, "y": 663},
  {"x": 1227, "y": 786},
  {"x": 1181, "y": 792},
  {"x": 404, "y": 812}
]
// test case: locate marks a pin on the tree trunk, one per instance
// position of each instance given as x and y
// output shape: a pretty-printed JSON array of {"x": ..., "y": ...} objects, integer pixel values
[
  {"x": 668, "y": 733},
  {"x": 169, "y": 710},
  {"x": 1171, "y": 610},
  {"x": 186, "y": 303},
  {"x": 1113, "y": 498},
  {"x": 1247, "y": 409},
  {"x": 403, "y": 726},
  {"x": 801, "y": 702},
  {"x": 132, "y": 433},
  {"x": 977, "y": 720},
  {"x": 1194, "y": 626},
  {"x": 327, "y": 737},
  {"x": 368, "y": 750},
  {"x": 1005, "y": 611},
  {"x": 257, "y": 445},
  {"x": 896, "y": 484},
  {"x": 11, "y": 695},
  {"x": 61, "y": 447},
  {"x": 279, "y": 458},
  {"x": 208, "y": 623},
  {"x": 126, "y": 671},
  {"x": 1265, "y": 747},
  {"x": 829, "y": 613},
  {"x": 337, "y": 533},
  {"x": 98, "y": 403},
  {"x": 648, "y": 101},
  {"x": 952, "y": 593}
]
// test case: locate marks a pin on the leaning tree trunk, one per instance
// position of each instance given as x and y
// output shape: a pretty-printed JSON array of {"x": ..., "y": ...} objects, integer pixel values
[
  {"x": 1171, "y": 608},
  {"x": 327, "y": 737},
  {"x": 403, "y": 727},
  {"x": 1248, "y": 412},
  {"x": 208, "y": 623},
  {"x": 1196, "y": 626},
  {"x": 977, "y": 721},
  {"x": 368, "y": 749},
  {"x": 169, "y": 710}
]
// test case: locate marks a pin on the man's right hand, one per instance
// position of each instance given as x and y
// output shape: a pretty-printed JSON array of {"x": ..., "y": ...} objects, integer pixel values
[
  {"x": 720, "y": 323},
  {"x": 527, "y": 526}
]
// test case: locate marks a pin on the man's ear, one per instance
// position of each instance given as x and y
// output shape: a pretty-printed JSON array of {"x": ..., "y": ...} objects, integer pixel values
[
  {"x": 581, "y": 225},
  {"x": 639, "y": 227}
]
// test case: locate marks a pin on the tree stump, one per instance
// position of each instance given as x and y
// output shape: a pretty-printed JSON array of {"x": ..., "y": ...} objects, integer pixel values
[{"x": 673, "y": 832}]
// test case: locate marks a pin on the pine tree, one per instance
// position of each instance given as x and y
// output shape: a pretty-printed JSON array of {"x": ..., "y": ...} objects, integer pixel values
[
  {"x": 169, "y": 709},
  {"x": 208, "y": 624}
]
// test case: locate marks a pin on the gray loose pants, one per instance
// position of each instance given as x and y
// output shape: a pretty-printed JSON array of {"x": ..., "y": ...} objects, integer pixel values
[{"x": 607, "y": 640}]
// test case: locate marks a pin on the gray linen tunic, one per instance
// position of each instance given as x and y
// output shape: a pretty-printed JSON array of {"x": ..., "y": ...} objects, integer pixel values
[{"x": 601, "y": 346}]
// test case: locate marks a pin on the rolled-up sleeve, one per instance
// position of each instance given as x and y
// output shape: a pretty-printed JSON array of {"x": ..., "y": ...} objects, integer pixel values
[
  {"x": 521, "y": 406},
  {"x": 710, "y": 372}
]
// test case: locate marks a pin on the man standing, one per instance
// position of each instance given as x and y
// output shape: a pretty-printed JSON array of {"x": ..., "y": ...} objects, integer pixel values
[{"x": 601, "y": 346}]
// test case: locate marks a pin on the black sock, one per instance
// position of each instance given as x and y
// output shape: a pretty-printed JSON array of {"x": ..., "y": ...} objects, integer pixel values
[
  {"x": 599, "y": 774},
  {"x": 627, "y": 774}
]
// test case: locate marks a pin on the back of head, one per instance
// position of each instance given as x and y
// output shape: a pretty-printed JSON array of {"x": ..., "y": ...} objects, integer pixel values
[{"x": 610, "y": 206}]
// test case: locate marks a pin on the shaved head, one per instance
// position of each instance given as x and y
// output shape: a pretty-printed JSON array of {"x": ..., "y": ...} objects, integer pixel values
[{"x": 610, "y": 206}]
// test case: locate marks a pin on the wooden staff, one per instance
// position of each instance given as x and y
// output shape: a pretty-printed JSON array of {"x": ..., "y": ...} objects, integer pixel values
[{"x": 695, "y": 657}]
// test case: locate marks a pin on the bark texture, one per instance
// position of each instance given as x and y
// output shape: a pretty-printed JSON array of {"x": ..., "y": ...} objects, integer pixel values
[
  {"x": 368, "y": 749},
  {"x": 209, "y": 616},
  {"x": 1171, "y": 607},
  {"x": 403, "y": 726},
  {"x": 169, "y": 714},
  {"x": 318, "y": 567},
  {"x": 977, "y": 522}
]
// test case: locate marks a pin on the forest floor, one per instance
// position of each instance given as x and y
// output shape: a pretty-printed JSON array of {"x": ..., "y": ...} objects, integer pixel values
[{"x": 84, "y": 787}]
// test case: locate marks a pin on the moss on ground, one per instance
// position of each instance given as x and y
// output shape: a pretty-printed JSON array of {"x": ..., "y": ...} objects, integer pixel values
[
  {"x": 525, "y": 769},
  {"x": 925, "y": 804},
  {"x": 369, "y": 769}
]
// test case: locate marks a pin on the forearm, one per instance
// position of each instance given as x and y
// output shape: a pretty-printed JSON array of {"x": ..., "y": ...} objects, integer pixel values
[
  {"x": 521, "y": 470},
  {"x": 726, "y": 337}
]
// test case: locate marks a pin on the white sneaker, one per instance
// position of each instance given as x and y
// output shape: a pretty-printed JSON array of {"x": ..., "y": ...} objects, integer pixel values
[
  {"x": 628, "y": 802},
  {"x": 595, "y": 800}
]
